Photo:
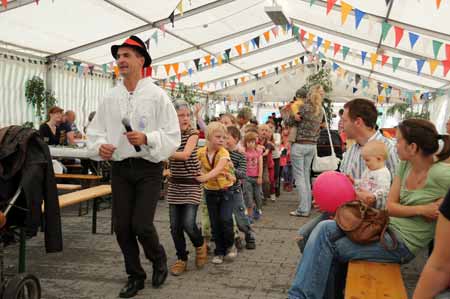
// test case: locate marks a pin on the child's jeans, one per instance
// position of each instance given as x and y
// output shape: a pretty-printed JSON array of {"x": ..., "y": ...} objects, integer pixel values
[
  {"x": 242, "y": 221},
  {"x": 287, "y": 174},
  {"x": 252, "y": 191}
]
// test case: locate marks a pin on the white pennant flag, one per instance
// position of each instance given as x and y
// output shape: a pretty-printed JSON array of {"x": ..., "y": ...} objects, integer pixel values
[{"x": 407, "y": 62}]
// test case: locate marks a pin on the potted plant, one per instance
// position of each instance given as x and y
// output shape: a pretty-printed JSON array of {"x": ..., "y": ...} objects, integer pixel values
[{"x": 38, "y": 96}]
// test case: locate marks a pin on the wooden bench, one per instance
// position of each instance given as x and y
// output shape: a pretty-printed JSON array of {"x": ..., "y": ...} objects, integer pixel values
[
  {"x": 85, "y": 195},
  {"x": 76, "y": 176},
  {"x": 369, "y": 280},
  {"x": 68, "y": 187}
]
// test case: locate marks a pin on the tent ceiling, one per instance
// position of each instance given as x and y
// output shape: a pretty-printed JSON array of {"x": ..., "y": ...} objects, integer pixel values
[{"x": 210, "y": 27}]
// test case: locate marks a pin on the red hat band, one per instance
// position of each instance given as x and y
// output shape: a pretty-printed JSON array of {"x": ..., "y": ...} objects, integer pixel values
[{"x": 132, "y": 42}]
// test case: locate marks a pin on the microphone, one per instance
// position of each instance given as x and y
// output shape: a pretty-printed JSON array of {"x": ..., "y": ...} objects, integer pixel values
[{"x": 127, "y": 125}]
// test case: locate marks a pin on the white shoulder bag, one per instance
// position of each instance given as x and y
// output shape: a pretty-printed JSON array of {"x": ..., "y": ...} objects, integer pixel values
[{"x": 327, "y": 163}]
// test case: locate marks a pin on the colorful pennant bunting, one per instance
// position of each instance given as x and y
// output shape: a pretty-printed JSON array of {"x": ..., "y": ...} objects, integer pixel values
[
  {"x": 419, "y": 63},
  {"x": 359, "y": 15},
  {"x": 436, "y": 47},
  {"x": 384, "y": 59},
  {"x": 345, "y": 50},
  {"x": 385, "y": 27},
  {"x": 363, "y": 56},
  {"x": 433, "y": 65},
  {"x": 330, "y": 4},
  {"x": 395, "y": 63},
  {"x": 398, "y": 35},
  {"x": 413, "y": 39},
  {"x": 345, "y": 10}
]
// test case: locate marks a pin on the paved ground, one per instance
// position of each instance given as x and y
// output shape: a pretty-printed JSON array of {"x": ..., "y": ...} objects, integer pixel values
[{"x": 91, "y": 266}]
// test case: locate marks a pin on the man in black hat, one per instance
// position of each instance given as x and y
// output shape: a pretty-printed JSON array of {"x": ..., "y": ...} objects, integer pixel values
[{"x": 136, "y": 127}]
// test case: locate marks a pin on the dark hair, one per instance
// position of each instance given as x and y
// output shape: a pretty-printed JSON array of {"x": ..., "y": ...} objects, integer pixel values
[
  {"x": 233, "y": 131},
  {"x": 424, "y": 134},
  {"x": 341, "y": 111},
  {"x": 364, "y": 109}
]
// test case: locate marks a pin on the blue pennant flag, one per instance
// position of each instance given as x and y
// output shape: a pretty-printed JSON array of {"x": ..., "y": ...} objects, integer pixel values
[
  {"x": 363, "y": 56},
  {"x": 213, "y": 62},
  {"x": 365, "y": 83},
  {"x": 190, "y": 71},
  {"x": 359, "y": 14},
  {"x": 413, "y": 39},
  {"x": 319, "y": 41},
  {"x": 335, "y": 66},
  {"x": 420, "y": 63}
]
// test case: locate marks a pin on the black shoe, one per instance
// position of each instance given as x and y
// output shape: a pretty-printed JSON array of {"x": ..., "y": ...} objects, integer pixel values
[
  {"x": 160, "y": 272},
  {"x": 250, "y": 242},
  {"x": 132, "y": 288},
  {"x": 250, "y": 245}
]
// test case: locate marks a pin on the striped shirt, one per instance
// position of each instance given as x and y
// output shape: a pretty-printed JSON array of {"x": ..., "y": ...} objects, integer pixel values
[
  {"x": 240, "y": 166},
  {"x": 185, "y": 193}
]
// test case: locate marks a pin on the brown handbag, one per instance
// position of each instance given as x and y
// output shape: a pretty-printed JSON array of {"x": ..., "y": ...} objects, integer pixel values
[{"x": 363, "y": 224}]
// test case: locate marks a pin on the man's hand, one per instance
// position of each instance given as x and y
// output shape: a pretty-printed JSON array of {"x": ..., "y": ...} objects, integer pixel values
[
  {"x": 106, "y": 151},
  {"x": 136, "y": 138}
]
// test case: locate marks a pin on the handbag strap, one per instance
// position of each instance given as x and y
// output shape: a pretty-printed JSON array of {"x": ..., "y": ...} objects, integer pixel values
[
  {"x": 328, "y": 131},
  {"x": 392, "y": 235}
]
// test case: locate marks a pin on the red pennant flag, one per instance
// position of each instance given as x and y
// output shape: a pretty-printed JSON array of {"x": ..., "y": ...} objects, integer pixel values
[
  {"x": 447, "y": 51},
  {"x": 337, "y": 47},
  {"x": 172, "y": 85},
  {"x": 398, "y": 34},
  {"x": 446, "y": 64},
  {"x": 330, "y": 4},
  {"x": 5, "y": 4},
  {"x": 239, "y": 49},
  {"x": 37, "y": 2},
  {"x": 179, "y": 77},
  {"x": 302, "y": 34},
  {"x": 384, "y": 59}
]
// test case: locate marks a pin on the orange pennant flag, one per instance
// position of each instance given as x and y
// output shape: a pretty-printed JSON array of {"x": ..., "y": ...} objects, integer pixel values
[
  {"x": 201, "y": 84},
  {"x": 433, "y": 65},
  {"x": 263, "y": 74},
  {"x": 345, "y": 10},
  {"x": 310, "y": 38},
  {"x": 283, "y": 67},
  {"x": 116, "y": 70},
  {"x": 326, "y": 45},
  {"x": 267, "y": 35},
  {"x": 373, "y": 59},
  {"x": 208, "y": 59},
  {"x": 242, "y": 79},
  {"x": 438, "y": 3},
  {"x": 239, "y": 49},
  {"x": 175, "y": 67},
  {"x": 167, "y": 67},
  {"x": 246, "y": 47},
  {"x": 251, "y": 98}
]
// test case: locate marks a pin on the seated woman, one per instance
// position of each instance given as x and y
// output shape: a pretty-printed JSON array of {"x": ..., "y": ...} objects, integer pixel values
[
  {"x": 53, "y": 131},
  {"x": 413, "y": 201},
  {"x": 435, "y": 276}
]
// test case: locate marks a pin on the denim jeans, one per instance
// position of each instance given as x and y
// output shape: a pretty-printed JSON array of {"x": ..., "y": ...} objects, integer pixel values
[
  {"x": 242, "y": 220},
  {"x": 306, "y": 229},
  {"x": 253, "y": 194},
  {"x": 204, "y": 216},
  {"x": 302, "y": 156},
  {"x": 220, "y": 208},
  {"x": 327, "y": 245},
  {"x": 183, "y": 219}
]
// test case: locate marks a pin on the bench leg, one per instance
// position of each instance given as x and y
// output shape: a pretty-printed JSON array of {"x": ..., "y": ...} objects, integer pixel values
[
  {"x": 94, "y": 216},
  {"x": 22, "y": 251}
]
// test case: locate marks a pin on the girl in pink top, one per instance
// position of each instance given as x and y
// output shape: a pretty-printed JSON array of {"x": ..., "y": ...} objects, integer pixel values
[{"x": 252, "y": 185}]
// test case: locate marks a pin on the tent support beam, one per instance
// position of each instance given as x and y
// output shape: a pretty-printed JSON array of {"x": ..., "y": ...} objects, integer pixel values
[
  {"x": 136, "y": 30},
  {"x": 15, "y": 4},
  {"x": 420, "y": 30},
  {"x": 212, "y": 42},
  {"x": 372, "y": 44}
]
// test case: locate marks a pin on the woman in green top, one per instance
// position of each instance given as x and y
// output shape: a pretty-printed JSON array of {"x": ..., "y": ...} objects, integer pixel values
[{"x": 413, "y": 202}]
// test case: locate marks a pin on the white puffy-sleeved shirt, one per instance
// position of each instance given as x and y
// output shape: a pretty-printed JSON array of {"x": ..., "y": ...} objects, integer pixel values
[
  {"x": 149, "y": 110},
  {"x": 377, "y": 182}
]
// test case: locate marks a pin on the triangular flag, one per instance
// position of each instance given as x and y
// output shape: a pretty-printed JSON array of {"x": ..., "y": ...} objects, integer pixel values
[
  {"x": 295, "y": 31},
  {"x": 147, "y": 43},
  {"x": 263, "y": 74},
  {"x": 384, "y": 59},
  {"x": 219, "y": 59},
  {"x": 213, "y": 61},
  {"x": 365, "y": 83},
  {"x": 239, "y": 49},
  {"x": 359, "y": 15},
  {"x": 196, "y": 62},
  {"x": 363, "y": 56},
  {"x": 380, "y": 87},
  {"x": 419, "y": 63},
  {"x": 179, "y": 77},
  {"x": 345, "y": 10},
  {"x": 337, "y": 47},
  {"x": 283, "y": 67},
  {"x": 167, "y": 67},
  {"x": 276, "y": 70},
  {"x": 201, "y": 84},
  {"x": 330, "y": 4},
  {"x": 227, "y": 54},
  {"x": 326, "y": 45},
  {"x": 302, "y": 59},
  {"x": 311, "y": 2},
  {"x": 398, "y": 35},
  {"x": 319, "y": 41},
  {"x": 446, "y": 64},
  {"x": 395, "y": 63},
  {"x": 242, "y": 79},
  {"x": 104, "y": 68},
  {"x": 357, "y": 79},
  {"x": 310, "y": 38},
  {"x": 385, "y": 26},
  {"x": 436, "y": 47},
  {"x": 433, "y": 65},
  {"x": 355, "y": 90},
  {"x": 235, "y": 81},
  {"x": 190, "y": 71},
  {"x": 246, "y": 45},
  {"x": 438, "y": 3},
  {"x": 267, "y": 35},
  {"x": 155, "y": 37},
  {"x": 5, "y": 4},
  {"x": 373, "y": 59},
  {"x": 275, "y": 31},
  {"x": 296, "y": 61},
  {"x": 302, "y": 35},
  {"x": 175, "y": 67},
  {"x": 413, "y": 39},
  {"x": 345, "y": 50},
  {"x": 335, "y": 66},
  {"x": 207, "y": 59},
  {"x": 380, "y": 99},
  {"x": 256, "y": 41},
  {"x": 447, "y": 51},
  {"x": 180, "y": 7}
]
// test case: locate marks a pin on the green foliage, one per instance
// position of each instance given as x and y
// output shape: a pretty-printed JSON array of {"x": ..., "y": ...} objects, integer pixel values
[
  {"x": 40, "y": 98},
  {"x": 186, "y": 93},
  {"x": 407, "y": 111},
  {"x": 28, "y": 124}
]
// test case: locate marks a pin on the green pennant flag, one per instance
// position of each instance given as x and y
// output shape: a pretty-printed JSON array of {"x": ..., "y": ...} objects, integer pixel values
[
  {"x": 395, "y": 63},
  {"x": 385, "y": 29},
  {"x": 345, "y": 51},
  {"x": 436, "y": 47},
  {"x": 311, "y": 2},
  {"x": 295, "y": 30}
]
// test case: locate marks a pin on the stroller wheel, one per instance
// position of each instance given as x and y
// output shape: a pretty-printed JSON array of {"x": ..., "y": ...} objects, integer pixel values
[{"x": 22, "y": 286}]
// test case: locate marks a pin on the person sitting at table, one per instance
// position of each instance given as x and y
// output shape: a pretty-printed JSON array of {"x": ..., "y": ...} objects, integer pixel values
[
  {"x": 54, "y": 131},
  {"x": 70, "y": 120}
]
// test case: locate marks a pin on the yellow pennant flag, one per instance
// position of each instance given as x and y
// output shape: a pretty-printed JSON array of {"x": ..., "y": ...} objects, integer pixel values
[
  {"x": 246, "y": 47},
  {"x": 345, "y": 10},
  {"x": 251, "y": 99},
  {"x": 385, "y": 85},
  {"x": 267, "y": 35},
  {"x": 326, "y": 45},
  {"x": 296, "y": 61},
  {"x": 380, "y": 99},
  {"x": 310, "y": 38},
  {"x": 373, "y": 59},
  {"x": 433, "y": 65},
  {"x": 180, "y": 7},
  {"x": 219, "y": 59}
]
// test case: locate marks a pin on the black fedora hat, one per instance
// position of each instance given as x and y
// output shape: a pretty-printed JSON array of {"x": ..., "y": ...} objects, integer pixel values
[{"x": 135, "y": 43}]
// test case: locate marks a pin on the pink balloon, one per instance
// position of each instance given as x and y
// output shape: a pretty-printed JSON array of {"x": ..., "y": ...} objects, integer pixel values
[{"x": 332, "y": 189}]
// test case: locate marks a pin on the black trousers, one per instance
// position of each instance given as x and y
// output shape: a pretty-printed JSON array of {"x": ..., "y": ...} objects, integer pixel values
[{"x": 136, "y": 187}]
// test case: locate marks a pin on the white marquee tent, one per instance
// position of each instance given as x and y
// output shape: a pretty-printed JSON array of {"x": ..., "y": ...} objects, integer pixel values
[{"x": 227, "y": 48}]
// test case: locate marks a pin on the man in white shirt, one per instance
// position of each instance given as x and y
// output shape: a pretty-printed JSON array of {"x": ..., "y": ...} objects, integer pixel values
[{"x": 136, "y": 155}]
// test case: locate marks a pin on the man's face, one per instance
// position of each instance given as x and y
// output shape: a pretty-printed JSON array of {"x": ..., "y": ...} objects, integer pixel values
[
  {"x": 349, "y": 124},
  {"x": 129, "y": 62}
]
